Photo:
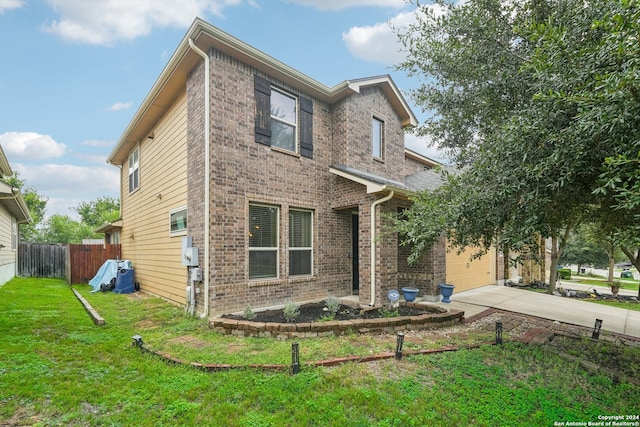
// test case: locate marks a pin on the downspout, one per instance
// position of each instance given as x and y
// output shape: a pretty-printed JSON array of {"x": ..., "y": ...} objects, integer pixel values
[
  {"x": 207, "y": 175},
  {"x": 373, "y": 244}
]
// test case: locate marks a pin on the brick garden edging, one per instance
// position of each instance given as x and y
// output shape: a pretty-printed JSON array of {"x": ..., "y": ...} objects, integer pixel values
[
  {"x": 97, "y": 319},
  {"x": 436, "y": 317},
  {"x": 218, "y": 367}
]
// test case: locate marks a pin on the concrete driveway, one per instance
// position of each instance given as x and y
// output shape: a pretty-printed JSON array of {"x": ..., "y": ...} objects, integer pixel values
[{"x": 565, "y": 310}]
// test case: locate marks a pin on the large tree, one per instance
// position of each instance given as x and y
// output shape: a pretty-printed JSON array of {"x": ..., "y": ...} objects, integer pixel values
[{"x": 507, "y": 84}]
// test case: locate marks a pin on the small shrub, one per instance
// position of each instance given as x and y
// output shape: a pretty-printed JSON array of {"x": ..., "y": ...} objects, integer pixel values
[
  {"x": 327, "y": 318},
  {"x": 564, "y": 273},
  {"x": 248, "y": 313},
  {"x": 387, "y": 312},
  {"x": 333, "y": 305},
  {"x": 290, "y": 312}
]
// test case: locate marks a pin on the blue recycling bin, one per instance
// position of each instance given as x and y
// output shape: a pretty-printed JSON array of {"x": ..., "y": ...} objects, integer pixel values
[{"x": 125, "y": 281}]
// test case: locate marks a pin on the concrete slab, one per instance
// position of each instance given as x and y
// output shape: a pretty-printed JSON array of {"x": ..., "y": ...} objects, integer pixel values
[{"x": 565, "y": 310}]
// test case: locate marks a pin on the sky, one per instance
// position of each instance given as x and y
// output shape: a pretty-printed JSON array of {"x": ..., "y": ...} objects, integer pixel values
[{"x": 74, "y": 72}]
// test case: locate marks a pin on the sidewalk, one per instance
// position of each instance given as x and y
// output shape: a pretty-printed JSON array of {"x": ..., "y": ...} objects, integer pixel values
[{"x": 565, "y": 310}]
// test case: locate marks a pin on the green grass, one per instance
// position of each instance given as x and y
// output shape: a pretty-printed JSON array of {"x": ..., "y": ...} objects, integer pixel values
[
  {"x": 626, "y": 283},
  {"x": 58, "y": 369}
]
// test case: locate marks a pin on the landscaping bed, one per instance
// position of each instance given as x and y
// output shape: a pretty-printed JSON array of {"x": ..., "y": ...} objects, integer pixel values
[{"x": 314, "y": 319}]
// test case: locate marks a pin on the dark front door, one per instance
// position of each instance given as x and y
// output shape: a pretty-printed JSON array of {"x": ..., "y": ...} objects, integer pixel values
[{"x": 355, "y": 258}]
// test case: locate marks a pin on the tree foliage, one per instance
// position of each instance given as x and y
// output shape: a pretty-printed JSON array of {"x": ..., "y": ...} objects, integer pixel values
[
  {"x": 36, "y": 203},
  {"x": 97, "y": 212},
  {"x": 536, "y": 100},
  {"x": 63, "y": 228}
]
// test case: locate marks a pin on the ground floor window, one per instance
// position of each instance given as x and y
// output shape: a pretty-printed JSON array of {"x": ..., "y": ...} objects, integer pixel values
[
  {"x": 300, "y": 242},
  {"x": 263, "y": 241}
]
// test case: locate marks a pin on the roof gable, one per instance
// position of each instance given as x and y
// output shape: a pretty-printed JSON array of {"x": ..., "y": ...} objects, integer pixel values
[{"x": 205, "y": 36}]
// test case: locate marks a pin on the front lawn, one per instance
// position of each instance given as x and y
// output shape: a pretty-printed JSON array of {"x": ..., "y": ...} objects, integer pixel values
[
  {"x": 627, "y": 284},
  {"x": 57, "y": 368}
]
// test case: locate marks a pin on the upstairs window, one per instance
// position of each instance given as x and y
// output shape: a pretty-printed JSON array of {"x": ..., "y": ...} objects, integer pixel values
[
  {"x": 283, "y": 120},
  {"x": 377, "y": 138},
  {"x": 263, "y": 242},
  {"x": 300, "y": 242},
  {"x": 134, "y": 170}
]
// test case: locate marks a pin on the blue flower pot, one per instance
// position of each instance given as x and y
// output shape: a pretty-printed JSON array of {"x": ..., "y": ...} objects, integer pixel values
[
  {"x": 409, "y": 294},
  {"x": 446, "y": 290}
]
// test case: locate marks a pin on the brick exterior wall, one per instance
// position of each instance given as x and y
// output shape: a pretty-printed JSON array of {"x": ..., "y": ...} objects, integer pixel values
[{"x": 245, "y": 172}]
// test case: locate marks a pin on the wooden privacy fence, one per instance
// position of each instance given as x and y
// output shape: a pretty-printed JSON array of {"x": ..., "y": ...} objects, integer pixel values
[{"x": 75, "y": 263}]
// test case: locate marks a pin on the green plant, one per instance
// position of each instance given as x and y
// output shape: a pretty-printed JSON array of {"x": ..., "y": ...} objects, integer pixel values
[
  {"x": 290, "y": 312},
  {"x": 332, "y": 305},
  {"x": 564, "y": 273},
  {"x": 616, "y": 284},
  {"x": 327, "y": 318},
  {"x": 248, "y": 313},
  {"x": 388, "y": 312}
]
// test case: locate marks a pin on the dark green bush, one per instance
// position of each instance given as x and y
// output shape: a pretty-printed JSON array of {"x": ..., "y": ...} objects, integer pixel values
[{"x": 564, "y": 273}]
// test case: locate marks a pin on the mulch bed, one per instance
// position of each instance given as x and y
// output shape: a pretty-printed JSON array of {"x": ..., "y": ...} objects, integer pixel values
[{"x": 314, "y": 312}]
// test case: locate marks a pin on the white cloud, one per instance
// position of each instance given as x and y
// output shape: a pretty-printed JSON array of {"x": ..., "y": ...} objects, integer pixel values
[
  {"x": 96, "y": 143},
  {"x": 10, "y": 5},
  {"x": 345, "y": 4},
  {"x": 30, "y": 146},
  {"x": 378, "y": 42},
  {"x": 119, "y": 106},
  {"x": 53, "y": 180},
  {"x": 101, "y": 22}
]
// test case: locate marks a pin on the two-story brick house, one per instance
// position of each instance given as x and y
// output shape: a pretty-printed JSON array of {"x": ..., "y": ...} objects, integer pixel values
[{"x": 280, "y": 182}]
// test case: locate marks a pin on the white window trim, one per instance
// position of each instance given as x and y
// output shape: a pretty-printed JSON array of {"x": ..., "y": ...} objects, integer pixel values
[
  {"x": 382, "y": 141},
  {"x": 296, "y": 124},
  {"x": 14, "y": 235},
  {"x": 256, "y": 249},
  {"x": 135, "y": 150},
  {"x": 310, "y": 248},
  {"x": 182, "y": 232}
]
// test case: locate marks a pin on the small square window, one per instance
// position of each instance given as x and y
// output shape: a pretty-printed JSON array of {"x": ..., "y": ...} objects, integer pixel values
[
  {"x": 377, "y": 138},
  {"x": 178, "y": 221}
]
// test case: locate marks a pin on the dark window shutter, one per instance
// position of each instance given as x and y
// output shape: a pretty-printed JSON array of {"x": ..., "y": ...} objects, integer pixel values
[
  {"x": 262, "y": 90},
  {"x": 306, "y": 127}
]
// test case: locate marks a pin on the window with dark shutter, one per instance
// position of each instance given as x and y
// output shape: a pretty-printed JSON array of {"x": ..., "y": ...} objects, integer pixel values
[
  {"x": 306, "y": 127},
  {"x": 262, "y": 89},
  {"x": 278, "y": 123}
]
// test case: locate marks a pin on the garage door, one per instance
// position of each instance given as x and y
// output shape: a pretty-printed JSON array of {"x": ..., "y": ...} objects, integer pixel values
[{"x": 466, "y": 274}]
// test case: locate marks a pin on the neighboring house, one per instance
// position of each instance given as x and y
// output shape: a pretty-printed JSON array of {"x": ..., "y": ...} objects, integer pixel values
[
  {"x": 13, "y": 212},
  {"x": 280, "y": 182}
]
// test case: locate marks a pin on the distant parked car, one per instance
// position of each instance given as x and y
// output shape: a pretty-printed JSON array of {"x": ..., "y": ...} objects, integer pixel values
[{"x": 624, "y": 264}]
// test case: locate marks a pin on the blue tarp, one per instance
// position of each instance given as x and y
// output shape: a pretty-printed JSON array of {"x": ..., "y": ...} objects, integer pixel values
[{"x": 107, "y": 272}]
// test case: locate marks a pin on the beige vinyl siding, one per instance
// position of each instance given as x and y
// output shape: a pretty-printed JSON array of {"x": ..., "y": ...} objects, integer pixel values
[
  {"x": 466, "y": 274},
  {"x": 145, "y": 213},
  {"x": 7, "y": 254}
]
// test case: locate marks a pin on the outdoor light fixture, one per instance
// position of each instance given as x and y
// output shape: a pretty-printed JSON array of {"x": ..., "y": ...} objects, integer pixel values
[
  {"x": 596, "y": 329},
  {"x": 499, "y": 333},
  {"x": 137, "y": 341},
  {"x": 295, "y": 358},
  {"x": 399, "y": 341}
]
